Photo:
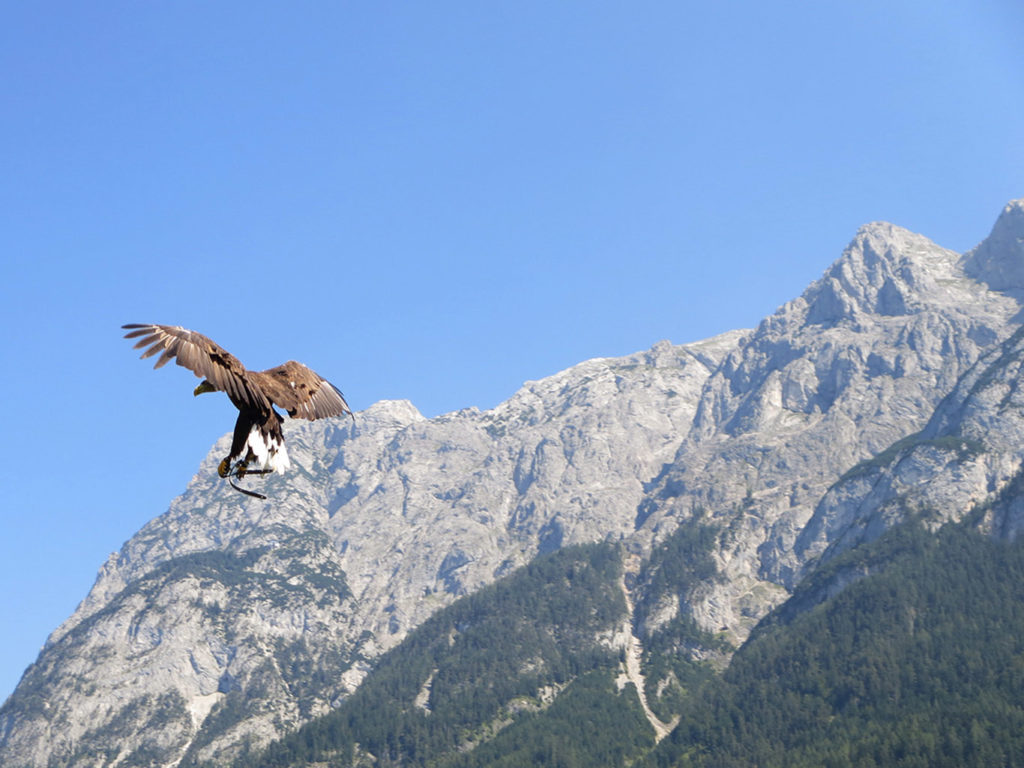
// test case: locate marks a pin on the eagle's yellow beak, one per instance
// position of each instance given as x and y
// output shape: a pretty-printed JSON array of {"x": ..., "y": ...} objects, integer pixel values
[{"x": 204, "y": 387}]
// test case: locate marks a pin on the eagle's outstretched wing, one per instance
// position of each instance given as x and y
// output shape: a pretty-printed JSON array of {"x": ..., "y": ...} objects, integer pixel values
[
  {"x": 301, "y": 391},
  {"x": 204, "y": 357}
]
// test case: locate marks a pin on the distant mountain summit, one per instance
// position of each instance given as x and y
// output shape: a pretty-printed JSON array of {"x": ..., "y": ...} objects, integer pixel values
[
  {"x": 999, "y": 260},
  {"x": 723, "y": 473}
]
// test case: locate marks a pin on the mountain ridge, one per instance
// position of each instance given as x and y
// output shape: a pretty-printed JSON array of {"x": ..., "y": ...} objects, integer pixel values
[{"x": 248, "y": 618}]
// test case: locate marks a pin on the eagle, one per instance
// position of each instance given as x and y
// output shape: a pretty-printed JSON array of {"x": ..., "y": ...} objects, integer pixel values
[{"x": 258, "y": 437}]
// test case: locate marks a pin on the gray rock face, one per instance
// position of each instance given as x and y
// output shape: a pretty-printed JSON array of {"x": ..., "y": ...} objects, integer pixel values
[
  {"x": 886, "y": 386},
  {"x": 439, "y": 507},
  {"x": 967, "y": 459}
]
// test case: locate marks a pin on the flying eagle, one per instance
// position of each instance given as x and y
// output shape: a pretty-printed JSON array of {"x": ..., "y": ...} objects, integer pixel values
[{"x": 258, "y": 436}]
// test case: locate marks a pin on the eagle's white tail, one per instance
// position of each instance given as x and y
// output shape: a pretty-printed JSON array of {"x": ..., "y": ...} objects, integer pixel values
[{"x": 268, "y": 451}]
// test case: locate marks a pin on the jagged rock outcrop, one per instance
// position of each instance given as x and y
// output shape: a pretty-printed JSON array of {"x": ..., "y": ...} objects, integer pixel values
[
  {"x": 968, "y": 458},
  {"x": 886, "y": 386},
  {"x": 999, "y": 260}
]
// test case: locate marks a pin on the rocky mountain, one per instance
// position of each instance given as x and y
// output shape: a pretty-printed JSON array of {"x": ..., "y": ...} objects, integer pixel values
[
  {"x": 727, "y": 471},
  {"x": 833, "y": 378}
]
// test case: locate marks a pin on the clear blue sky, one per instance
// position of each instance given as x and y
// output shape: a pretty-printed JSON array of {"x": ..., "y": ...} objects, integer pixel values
[{"x": 432, "y": 201}]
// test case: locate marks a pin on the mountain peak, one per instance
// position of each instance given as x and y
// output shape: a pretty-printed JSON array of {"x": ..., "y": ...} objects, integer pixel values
[
  {"x": 886, "y": 271},
  {"x": 399, "y": 412},
  {"x": 999, "y": 259}
]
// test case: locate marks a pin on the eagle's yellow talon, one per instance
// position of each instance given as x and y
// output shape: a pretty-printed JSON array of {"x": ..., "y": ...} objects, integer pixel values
[
  {"x": 240, "y": 469},
  {"x": 224, "y": 468}
]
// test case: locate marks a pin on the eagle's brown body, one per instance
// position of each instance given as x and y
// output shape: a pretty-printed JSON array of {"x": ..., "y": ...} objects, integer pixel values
[{"x": 258, "y": 436}]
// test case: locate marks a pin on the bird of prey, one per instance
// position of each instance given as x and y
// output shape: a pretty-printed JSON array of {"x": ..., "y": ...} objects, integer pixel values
[{"x": 258, "y": 437}]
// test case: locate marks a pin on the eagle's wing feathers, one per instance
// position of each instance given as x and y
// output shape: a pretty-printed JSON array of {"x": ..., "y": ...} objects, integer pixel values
[
  {"x": 301, "y": 391},
  {"x": 203, "y": 356}
]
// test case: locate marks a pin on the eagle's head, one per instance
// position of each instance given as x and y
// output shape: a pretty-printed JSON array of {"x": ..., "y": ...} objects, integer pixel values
[{"x": 205, "y": 386}]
